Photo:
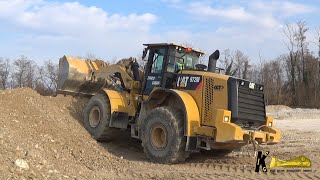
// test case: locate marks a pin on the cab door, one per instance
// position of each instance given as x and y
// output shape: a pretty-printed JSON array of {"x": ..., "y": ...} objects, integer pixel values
[{"x": 154, "y": 69}]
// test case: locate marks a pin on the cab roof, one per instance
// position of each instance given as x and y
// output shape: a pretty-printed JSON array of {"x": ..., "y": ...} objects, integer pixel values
[{"x": 173, "y": 44}]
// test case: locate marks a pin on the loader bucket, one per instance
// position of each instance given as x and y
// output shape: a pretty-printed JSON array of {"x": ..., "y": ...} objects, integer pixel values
[{"x": 75, "y": 76}]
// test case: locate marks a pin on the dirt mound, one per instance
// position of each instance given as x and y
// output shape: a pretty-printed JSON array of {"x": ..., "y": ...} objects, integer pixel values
[
  {"x": 276, "y": 108},
  {"x": 284, "y": 112},
  {"x": 40, "y": 137}
]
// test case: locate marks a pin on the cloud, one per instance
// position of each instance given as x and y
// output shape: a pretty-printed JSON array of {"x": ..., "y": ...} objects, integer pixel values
[
  {"x": 254, "y": 27},
  {"x": 232, "y": 13},
  {"x": 47, "y": 29},
  {"x": 283, "y": 8},
  {"x": 264, "y": 13},
  {"x": 171, "y": 1},
  {"x": 71, "y": 27},
  {"x": 251, "y": 26},
  {"x": 251, "y": 41},
  {"x": 69, "y": 17}
]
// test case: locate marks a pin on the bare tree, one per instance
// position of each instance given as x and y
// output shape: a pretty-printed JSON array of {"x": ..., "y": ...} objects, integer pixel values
[
  {"x": 4, "y": 72},
  {"x": 317, "y": 37},
  {"x": 21, "y": 66},
  {"x": 246, "y": 68},
  {"x": 48, "y": 76},
  {"x": 25, "y": 71},
  {"x": 311, "y": 89},
  {"x": 277, "y": 76},
  {"x": 236, "y": 64},
  {"x": 290, "y": 33},
  {"x": 242, "y": 64},
  {"x": 318, "y": 40},
  {"x": 90, "y": 56},
  {"x": 31, "y": 74},
  {"x": 260, "y": 76},
  {"x": 271, "y": 76},
  {"x": 227, "y": 62},
  {"x": 300, "y": 38}
]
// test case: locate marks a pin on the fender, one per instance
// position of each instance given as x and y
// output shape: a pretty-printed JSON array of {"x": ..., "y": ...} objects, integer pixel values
[
  {"x": 119, "y": 102},
  {"x": 188, "y": 104}
]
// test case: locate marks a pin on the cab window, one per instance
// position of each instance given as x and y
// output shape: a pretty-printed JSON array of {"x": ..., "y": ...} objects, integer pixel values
[
  {"x": 157, "y": 60},
  {"x": 172, "y": 61},
  {"x": 175, "y": 57},
  {"x": 189, "y": 62}
]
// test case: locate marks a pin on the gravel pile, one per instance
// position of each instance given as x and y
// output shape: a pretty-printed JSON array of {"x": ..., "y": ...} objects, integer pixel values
[
  {"x": 285, "y": 112},
  {"x": 41, "y": 137}
]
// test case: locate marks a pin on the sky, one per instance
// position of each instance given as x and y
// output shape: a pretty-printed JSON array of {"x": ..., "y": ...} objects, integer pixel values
[{"x": 48, "y": 29}]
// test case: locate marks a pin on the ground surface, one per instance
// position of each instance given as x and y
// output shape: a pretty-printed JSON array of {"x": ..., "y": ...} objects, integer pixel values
[{"x": 42, "y": 138}]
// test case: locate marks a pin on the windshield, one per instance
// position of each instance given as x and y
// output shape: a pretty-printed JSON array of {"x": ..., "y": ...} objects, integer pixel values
[{"x": 186, "y": 61}]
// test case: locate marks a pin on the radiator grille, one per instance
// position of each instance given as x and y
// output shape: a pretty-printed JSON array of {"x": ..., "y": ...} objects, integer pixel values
[
  {"x": 251, "y": 104},
  {"x": 208, "y": 99}
]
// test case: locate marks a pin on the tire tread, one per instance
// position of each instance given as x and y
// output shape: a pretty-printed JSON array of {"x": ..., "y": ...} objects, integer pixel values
[{"x": 177, "y": 153}]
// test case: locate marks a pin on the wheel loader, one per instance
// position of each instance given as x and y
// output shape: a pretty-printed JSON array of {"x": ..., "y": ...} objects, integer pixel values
[{"x": 174, "y": 104}]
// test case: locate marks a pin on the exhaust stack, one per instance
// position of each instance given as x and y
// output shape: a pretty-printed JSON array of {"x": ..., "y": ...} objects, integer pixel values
[{"x": 212, "y": 64}]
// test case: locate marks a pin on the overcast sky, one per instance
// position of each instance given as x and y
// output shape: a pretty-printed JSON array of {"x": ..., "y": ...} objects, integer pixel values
[{"x": 49, "y": 29}]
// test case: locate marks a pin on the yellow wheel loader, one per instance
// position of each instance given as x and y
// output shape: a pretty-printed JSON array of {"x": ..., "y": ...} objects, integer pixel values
[{"x": 175, "y": 105}]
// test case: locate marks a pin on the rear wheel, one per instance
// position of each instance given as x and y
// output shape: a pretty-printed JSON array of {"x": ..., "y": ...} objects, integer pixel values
[
  {"x": 97, "y": 116},
  {"x": 163, "y": 137}
]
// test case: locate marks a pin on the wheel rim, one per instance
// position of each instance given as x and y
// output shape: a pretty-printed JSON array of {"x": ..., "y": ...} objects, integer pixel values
[
  {"x": 94, "y": 116},
  {"x": 158, "y": 137}
]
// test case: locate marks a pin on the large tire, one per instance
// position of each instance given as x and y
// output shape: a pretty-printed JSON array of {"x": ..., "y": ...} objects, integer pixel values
[
  {"x": 97, "y": 116},
  {"x": 163, "y": 137}
]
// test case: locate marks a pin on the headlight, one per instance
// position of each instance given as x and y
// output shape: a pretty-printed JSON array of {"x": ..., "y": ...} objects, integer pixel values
[
  {"x": 252, "y": 85},
  {"x": 226, "y": 119},
  {"x": 270, "y": 124}
]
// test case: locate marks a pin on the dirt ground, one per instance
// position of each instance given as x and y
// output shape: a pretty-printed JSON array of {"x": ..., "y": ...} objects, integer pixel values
[{"x": 42, "y": 138}]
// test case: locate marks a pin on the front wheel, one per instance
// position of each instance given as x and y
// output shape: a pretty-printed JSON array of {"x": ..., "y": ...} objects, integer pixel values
[
  {"x": 97, "y": 118},
  {"x": 163, "y": 137}
]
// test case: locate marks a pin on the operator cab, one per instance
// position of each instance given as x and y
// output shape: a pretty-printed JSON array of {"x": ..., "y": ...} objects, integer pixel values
[{"x": 165, "y": 61}]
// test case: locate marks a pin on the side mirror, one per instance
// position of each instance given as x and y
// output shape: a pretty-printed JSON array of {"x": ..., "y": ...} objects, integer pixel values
[{"x": 144, "y": 53}]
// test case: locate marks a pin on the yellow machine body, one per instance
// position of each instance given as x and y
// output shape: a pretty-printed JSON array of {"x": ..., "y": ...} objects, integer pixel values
[
  {"x": 206, "y": 109},
  {"x": 207, "y": 114}
]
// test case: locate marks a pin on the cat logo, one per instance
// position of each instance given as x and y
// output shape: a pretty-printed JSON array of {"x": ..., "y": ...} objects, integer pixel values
[
  {"x": 218, "y": 87},
  {"x": 182, "y": 81}
]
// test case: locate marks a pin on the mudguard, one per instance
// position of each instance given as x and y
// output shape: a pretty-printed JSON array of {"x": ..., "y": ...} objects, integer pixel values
[
  {"x": 188, "y": 104},
  {"x": 120, "y": 107}
]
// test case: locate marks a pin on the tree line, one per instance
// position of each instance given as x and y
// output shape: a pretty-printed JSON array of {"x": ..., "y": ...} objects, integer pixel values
[
  {"x": 24, "y": 72},
  {"x": 291, "y": 79}
]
